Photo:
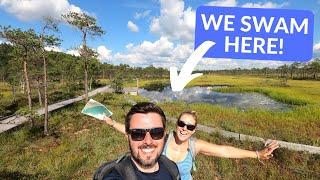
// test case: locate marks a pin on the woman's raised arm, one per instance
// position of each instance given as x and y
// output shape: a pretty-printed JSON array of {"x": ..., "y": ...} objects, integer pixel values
[{"x": 210, "y": 149}]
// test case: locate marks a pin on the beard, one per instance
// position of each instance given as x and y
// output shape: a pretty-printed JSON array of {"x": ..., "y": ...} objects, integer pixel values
[{"x": 148, "y": 161}]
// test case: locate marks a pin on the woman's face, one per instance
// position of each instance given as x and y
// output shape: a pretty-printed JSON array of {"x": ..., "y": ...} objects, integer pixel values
[{"x": 183, "y": 133}]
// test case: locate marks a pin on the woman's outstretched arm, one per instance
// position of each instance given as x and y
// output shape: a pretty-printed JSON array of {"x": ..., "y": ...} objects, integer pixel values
[
  {"x": 118, "y": 126},
  {"x": 210, "y": 149}
]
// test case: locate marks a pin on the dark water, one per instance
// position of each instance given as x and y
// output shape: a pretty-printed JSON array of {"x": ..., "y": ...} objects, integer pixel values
[{"x": 208, "y": 95}]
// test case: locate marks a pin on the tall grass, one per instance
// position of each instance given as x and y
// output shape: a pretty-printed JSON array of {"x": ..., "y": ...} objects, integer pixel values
[
  {"x": 78, "y": 144},
  {"x": 300, "y": 125},
  {"x": 296, "y": 92}
]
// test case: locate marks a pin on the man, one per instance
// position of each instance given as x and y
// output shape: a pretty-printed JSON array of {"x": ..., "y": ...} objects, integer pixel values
[{"x": 145, "y": 128}]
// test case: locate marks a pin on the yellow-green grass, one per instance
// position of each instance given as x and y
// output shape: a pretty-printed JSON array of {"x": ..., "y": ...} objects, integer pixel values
[
  {"x": 9, "y": 105},
  {"x": 105, "y": 81},
  {"x": 5, "y": 90},
  {"x": 300, "y": 125},
  {"x": 78, "y": 144},
  {"x": 145, "y": 82},
  {"x": 294, "y": 92}
]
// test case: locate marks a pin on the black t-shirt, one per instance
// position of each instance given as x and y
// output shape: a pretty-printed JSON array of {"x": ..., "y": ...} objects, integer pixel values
[{"x": 161, "y": 174}]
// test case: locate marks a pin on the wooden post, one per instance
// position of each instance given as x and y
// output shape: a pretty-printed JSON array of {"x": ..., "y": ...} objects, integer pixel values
[{"x": 137, "y": 86}]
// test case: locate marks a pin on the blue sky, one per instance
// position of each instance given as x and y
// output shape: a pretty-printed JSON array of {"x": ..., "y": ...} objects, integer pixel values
[{"x": 143, "y": 32}]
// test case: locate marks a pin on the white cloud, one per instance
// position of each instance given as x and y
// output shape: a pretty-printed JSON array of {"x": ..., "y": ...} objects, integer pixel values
[
  {"x": 133, "y": 27},
  {"x": 142, "y": 14},
  {"x": 53, "y": 48},
  {"x": 226, "y": 3},
  {"x": 316, "y": 47},
  {"x": 160, "y": 53},
  {"x": 165, "y": 54},
  {"x": 174, "y": 22},
  {"x": 264, "y": 5},
  {"x": 104, "y": 54},
  {"x": 5, "y": 42},
  {"x": 178, "y": 23},
  {"x": 232, "y": 3},
  {"x": 161, "y": 47},
  {"x": 73, "y": 52},
  {"x": 28, "y": 10},
  {"x": 130, "y": 45},
  {"x": 182, "y": 52}
]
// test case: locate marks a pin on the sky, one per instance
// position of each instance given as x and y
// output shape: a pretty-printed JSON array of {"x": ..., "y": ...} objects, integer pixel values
[{"x": 143, "y": 32}]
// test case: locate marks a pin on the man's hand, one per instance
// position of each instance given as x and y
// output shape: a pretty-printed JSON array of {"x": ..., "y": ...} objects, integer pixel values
[{"x": 108, "y": 120}]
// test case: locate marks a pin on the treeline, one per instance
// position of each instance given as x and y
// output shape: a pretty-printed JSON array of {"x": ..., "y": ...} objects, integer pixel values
[
  {"x": 66, "y": 71},
  {"x": 109, "y": 71},
  {"x": 297, "y": 71}
]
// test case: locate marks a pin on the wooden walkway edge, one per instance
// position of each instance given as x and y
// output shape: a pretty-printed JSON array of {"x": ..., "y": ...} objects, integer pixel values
[{"x": 17, "y": 120}]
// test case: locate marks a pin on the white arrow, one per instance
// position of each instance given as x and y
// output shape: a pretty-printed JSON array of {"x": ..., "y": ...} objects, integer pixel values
[{"x": 178, "y": 82}]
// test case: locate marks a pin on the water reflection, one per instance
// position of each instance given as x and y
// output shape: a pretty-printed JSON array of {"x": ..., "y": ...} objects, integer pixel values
[{"x": 207, "y": 95}]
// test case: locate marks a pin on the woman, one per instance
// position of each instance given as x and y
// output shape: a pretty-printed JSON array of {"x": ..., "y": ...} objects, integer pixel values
[{"x": 182, "y": 148}]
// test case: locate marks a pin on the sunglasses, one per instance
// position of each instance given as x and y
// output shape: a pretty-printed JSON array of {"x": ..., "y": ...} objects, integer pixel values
[
  {"x": 183, "y": 124},
  {"x": 140, "y": 134}
]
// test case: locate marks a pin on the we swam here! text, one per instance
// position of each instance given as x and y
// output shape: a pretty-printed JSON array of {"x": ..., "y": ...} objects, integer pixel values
[{"x": 244, "y": 44}]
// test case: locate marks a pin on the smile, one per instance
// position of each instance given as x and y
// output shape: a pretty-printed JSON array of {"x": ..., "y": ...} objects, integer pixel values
[
  {"x": 147, "y": 150},
  {"x": 183, "y": 133}
]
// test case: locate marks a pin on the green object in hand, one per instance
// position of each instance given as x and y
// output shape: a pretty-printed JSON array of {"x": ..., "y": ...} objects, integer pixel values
[{"x": 96, "y": 110}]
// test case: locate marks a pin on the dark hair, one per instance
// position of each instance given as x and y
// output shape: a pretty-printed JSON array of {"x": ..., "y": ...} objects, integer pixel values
[
  {"x": 191, "y": 113},
  {"x": 144, "y": 107}
]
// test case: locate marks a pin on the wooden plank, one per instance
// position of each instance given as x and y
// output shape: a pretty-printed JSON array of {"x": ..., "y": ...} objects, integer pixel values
[{"x": 16, "y": 120}]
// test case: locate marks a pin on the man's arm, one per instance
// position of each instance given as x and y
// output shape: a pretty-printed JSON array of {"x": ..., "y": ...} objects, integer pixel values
[{"x": 118, "y": 126}]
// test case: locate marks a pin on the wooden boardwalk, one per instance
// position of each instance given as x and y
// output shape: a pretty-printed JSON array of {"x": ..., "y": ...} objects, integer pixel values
[{"x": 17, "y": 120}]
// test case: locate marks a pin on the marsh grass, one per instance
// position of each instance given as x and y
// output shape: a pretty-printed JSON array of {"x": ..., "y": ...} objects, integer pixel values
[
  {"x": 78, "y": 144},
  {"x": 19, "y": 104},
  {"x": 147, "y": 82},
  {"x": 300, "y": 125},
  {"x": 296, "y": 92}
]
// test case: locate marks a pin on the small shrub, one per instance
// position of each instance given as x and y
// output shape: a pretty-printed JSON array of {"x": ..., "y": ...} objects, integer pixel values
[
  {"x": 117, "y": 84},
  {"x": 156, "y": 86}
]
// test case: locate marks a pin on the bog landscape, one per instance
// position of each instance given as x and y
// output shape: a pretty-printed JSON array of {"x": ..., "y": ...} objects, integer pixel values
[{"x": 44, "y": 135}]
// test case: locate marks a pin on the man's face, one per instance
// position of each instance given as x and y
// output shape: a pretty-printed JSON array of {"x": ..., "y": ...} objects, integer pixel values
[{"x": 146, "y": 152}]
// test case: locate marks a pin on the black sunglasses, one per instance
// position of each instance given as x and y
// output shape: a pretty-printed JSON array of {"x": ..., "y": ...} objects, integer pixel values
[
  {"x": 140, "y": 134},
  {"x": 189, "y": 126}
]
